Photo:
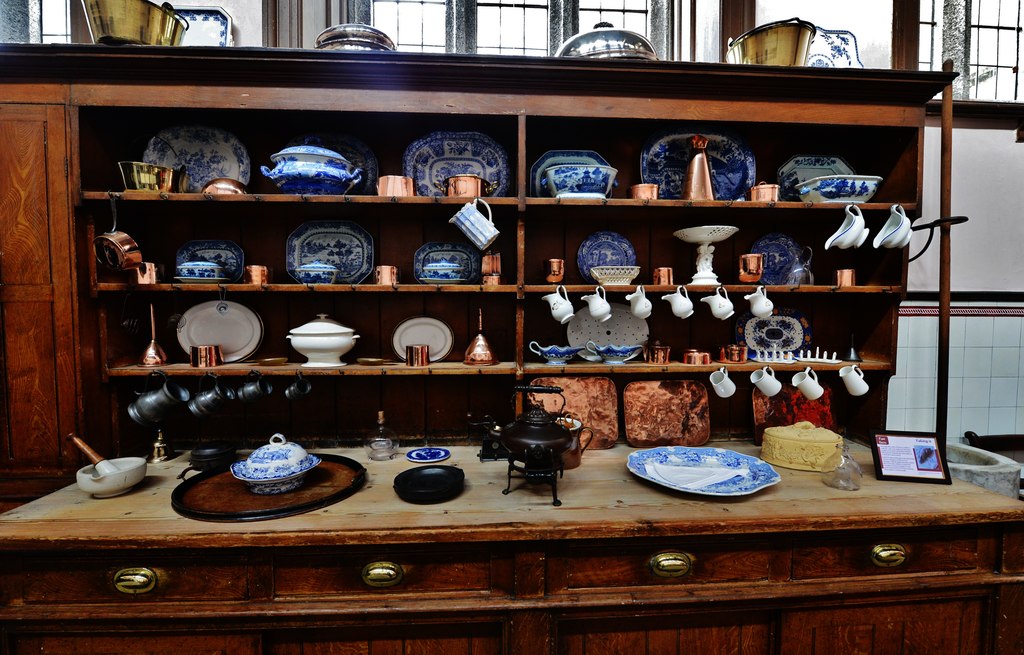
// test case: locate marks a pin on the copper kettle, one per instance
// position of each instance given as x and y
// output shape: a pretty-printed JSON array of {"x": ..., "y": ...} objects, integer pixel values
[{"x": 536, "y": 436}]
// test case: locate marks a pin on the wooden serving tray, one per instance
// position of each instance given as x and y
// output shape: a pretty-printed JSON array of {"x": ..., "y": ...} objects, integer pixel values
[{"x": 219, "y": 496}]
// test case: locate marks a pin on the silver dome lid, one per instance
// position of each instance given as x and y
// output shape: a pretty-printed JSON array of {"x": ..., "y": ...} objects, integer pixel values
[
  {"x": 606, "y": 41},
  {"x": 353, "y": 36}
]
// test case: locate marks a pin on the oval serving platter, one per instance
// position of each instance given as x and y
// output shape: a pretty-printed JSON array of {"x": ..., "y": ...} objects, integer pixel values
[{"x": 752, "y": 474}]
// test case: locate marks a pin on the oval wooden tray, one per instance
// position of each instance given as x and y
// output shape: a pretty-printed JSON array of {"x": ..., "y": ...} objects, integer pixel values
[{"x": 218, "y": 496}]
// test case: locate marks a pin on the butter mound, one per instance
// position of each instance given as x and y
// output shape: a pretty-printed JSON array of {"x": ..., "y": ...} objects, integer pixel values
[{"x": 801, "y": 446}]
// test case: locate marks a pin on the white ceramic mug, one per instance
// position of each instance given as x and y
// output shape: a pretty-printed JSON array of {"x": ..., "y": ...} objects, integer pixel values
[
  {"x": 680, "y": 301},
  {"x": 765, "y": 380},
  {"x": 853, "y": 378},
  {"x": 721, "y": 306},
  {"x": 760, "y": 306},
  {"x": 598, "y": 302},
  {"x": 721, "y": 383},
  {"x": 639, "y": 305},
  {"x": 558, "y": 302},
  {"x": 477, "y": 227},
  {"x": 807, "y": 382}
]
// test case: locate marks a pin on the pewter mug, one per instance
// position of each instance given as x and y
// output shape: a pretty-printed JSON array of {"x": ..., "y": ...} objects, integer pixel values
[
  {"x": 212, "y": 400},
  {"x": 298, "y": 389},
  {"x": 257, "y": 387},
  {"x": 153, "y": 405}
]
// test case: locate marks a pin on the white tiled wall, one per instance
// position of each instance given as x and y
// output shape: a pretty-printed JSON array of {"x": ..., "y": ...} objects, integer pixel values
[{"x": 986, "y": 371}]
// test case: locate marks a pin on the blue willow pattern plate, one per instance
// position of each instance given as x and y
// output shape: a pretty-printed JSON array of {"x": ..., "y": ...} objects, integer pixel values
[
  {"x": 432, "y": 159},
  {"x": 800, "y": 168},
  {"x": 666, "y": 155},
  {"x": 343, "y": 244},
  {"x": 206, "y": 26},
  {"x": 463, "y": 254},
  {"x": 351, "y": 149},
  {"x": 216, "y": 251},
  {"x": 834, "y": 49},
  {"x": 781, "y": 253},
  {"x": 786, "y": 330},
  {"x": 205, "y": 152},
  {"x": 757, "y": 475},
  {"x": 428, "y": 454},
  {"x": 554, "y": 158},
  {"x": 604, "y": 248}
]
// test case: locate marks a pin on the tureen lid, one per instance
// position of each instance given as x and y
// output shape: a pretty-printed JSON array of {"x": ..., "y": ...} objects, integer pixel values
[
  {"x": 201, "y": 264},
  {"x": 278, "y": 459},
  {"x": 353, "y": 36},
  {"x": 317, "y": 151},
  {"x": 606, "y": 41},
  {"x": 317, "y": 265},
  {"x": 442, "y": 265},
  {"x": 322, "y": 325}
]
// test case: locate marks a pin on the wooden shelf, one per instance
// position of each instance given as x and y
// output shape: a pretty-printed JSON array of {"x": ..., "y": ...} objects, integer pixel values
[
  {"x": 309, "y": 288},
  {"x": 711, "y": 204},
  {"x": 150, "y": 196},
  {"x": 240, "y": 369},
  {"x": 732, "y": 288},
  {"x": 644, "y": 368}
]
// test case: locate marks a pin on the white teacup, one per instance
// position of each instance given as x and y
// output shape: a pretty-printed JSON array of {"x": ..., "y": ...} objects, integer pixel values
[
  {"x": 807, "y": 382},
  {"x": 721, "y": 306},
  {"x": 680, "y": 301},
  {"x": 598, "y": 302},
  {"x": 477, "y": 227},
  {"x": 558, "y": 301},
  {"x": 721, "y": 383},
  {"x": 639, "y": 305},
  {"x": 853, "y": 378},
  {"x": 760, "y": 306},
  {"x": 765, "y": 380}
]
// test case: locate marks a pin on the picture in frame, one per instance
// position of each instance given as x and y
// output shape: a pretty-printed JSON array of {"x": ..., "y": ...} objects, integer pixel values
[{"x": 909, "y": 457}]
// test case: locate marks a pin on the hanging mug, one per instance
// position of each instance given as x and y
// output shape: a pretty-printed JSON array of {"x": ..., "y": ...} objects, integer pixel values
[
  {"x": 680, "y": 301},
  {"x": 853, "y": 378},
  {"x": 765, "y": 380},
  {"x": 257, "y": 387},
  {"x": 153, "y": 404},
  {"x": 298, "y": 389},
  {"x": 721, "y": 383},
  {"x": 807, "y": 382},
  {"x": 212, "y": 400},
  {"x": 477, "y": 227},
  {"x": 558, "y": 301}
]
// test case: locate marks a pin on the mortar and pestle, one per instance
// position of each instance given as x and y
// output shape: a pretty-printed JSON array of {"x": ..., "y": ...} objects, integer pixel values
[{"x": 105, "y": 478}]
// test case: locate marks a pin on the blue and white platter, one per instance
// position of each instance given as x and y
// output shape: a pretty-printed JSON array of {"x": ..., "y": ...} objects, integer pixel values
[
  {"x": 752, "y": 474},
  {"x": 428, "y": 454},
  {"x": 554, "y": 158},
  {"x": 432, "y": 159},
  {"x": 435, "y": 252},
  {"x": 205, "y": 152},
  {"x": 210, "y": 26},
  {"x": 834, "y": 49},
  {"x": 785, "y": 331},
  {"x": 604, "y": 248},
  {"x": 666, "y": 156},
  {"x": 781, "y": 252},
  {"x": 216, "y": 251},
  {"x": 800, "y": 168},
  {"x": 342, "y": 244},
  {"x": 350, "y": 148}
]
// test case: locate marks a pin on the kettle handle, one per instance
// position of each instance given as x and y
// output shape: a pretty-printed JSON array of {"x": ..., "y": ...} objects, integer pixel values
[{"x": 536, "y": 388}]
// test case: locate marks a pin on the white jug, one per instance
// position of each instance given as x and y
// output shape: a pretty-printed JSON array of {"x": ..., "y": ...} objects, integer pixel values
[
  {"x": 558, "y": 301},
  {"x": 682, "y": 306},
  {"x": 852, "y": 232},
  {"x": 760, "y": 306},
  {"x": 896, "y": 231},
  {"x": 721, "y": 306},
  {"x": 639, "y": 305},
  {"x": 598, "y": 302}
]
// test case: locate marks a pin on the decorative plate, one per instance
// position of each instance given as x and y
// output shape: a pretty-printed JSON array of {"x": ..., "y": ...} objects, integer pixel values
[
  {"x": 464, "y": 254},
  {"x": 786, "y": 330},
  {"x": 666, "y": 155},
  {"x": 834, "y": 49},
  {"x": 801, "y": 168},
  {"x": 217, "y": 251},
  {"x": 206, "y": 26},
  {"x": 235, "y": 328},
  {"x": 342, "y": 244},
  {"x": 423, "y": 330},
  {"x": 432, "y": 159},
  {"x": 781, "y": 252},
  {"x": 622, "y": 329},
  {"x": 428, "y": 454},
  {"x": 351, "y": 149},
  {"x": 604, "y": 248},
  {"x": 556, "y": 157},
  {"x": 751, "y": 474},
  {"x": 205, "y": 152}
]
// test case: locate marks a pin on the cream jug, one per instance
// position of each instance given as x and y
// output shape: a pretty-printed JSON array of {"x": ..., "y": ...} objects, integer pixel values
[
  {"x": 558, "y": 302},
  {"x": 760, "y": 306},
  {"x": 598, "y": 302},
  {"x": 721, "y": 306},
  {"x": 680, "y": 301},
  {"x": 639, "y": 305}
]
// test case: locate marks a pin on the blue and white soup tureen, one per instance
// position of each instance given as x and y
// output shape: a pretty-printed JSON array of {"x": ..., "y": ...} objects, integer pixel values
[
  {"x": 312, "y": 170},
  {"x": 275, "y": 468}
]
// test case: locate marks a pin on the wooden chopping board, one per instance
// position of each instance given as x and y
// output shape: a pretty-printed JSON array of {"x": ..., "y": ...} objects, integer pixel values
[
  {"x": 592, "y": 400},
  {"x": 788, "y": 407},
  {"x": 666, "y": 413}
]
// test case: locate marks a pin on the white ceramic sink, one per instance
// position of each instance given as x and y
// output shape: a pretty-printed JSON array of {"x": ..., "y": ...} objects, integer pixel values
[{"x": 984, "y": 468}]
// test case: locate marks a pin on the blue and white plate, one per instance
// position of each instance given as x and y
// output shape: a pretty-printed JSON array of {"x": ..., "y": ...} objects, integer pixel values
[
  {"x": 465, "y": 255},
  {"x": 781, "y": 253},
  {"x": 666, "y": 155},
  {"x": 216, "y": 251},
  {"x": 556, "y": 157},
  {"x": 351, "y": 149},
  {"x": 801, "y": 168},
  {"x": 428, "y": 454},
  {"x": 432, "y": 159},
  {"x": 342, "y": 244},
  {"x": 752, "y": 474},
  {"x": 834, "y": 49},
  {"x": 206, "y": 153},
  {"x": 206, "y": 26},
  {"x": 786, "y": 331},
  {"x": 604, "y": 248}
]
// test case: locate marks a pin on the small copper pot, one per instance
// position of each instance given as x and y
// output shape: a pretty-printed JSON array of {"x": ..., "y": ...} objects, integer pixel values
[
  {"x": 733, "y": 353},
  {"x": 697, "y": 357}
]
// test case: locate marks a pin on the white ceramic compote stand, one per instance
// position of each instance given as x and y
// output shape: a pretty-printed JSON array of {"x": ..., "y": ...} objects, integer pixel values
[{"x": 704, "y": 236}]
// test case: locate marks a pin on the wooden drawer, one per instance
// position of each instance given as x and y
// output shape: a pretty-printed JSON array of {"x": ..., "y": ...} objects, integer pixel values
[
  {"x": 662, "y": 563},
  {"x": 470, "y": 571},
  {"x": 888, "y": 553},
  {"x": 130, "y": 579}
]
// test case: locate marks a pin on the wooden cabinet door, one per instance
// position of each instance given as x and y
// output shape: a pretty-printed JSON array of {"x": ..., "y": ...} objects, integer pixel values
[
  {"x": 138, "y": 644},
  {"x": 38, "y": 390},
  {"x": 464, "y": 638},
  {"x": 742, "y": 633}
]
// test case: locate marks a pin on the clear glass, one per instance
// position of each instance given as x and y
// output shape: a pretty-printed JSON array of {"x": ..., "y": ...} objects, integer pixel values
[
  {"x": 847, "y": 474},
  {"x": 381, "y": 444}
]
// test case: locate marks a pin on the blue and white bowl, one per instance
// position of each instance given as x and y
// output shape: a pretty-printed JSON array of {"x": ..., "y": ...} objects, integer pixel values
[
  {"x": 443, "y": 270},
  {"x": 199, "y": 270},
  {"x": 316, "y": 272},
  {"x": 555, "y": 355},
  {"x": 840, "y": 188},
  {"x": 275, "y": 468},
  {"x": 312, "y": 170},
  {"x": 614, "y": 353},
  {"x": 579, "y": 181}
]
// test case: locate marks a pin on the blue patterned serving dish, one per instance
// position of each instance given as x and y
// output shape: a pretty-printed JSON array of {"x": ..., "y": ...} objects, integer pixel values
[
  {"x": 556, "y": 157},
  {"x": 840, "y": 188},
  {"x": 579, "y": 180},
  {"x": 834, "y": 49},
  {"x": 555, "y": 355},
  {"x": 342, "y": 244},
  {"x": 614, "y": 353},
  {"x": 312, "y": 170},
  {"x": 206, "y": 153},
  {"x": 219, "y": 252},
  {"x": 443, "y": 270},
  {"x": 352, "y": 149},
  {"x": 432, "y": 159},
  {"x": 666, "y": 156},
  {"x": 435, "y": 257},
  {"x": 316, "y": 272},
  {"x": 800, "y": 168},
  {"x": 199, "y": 270},
  {"x": 786, "y": 331},
  {"x": 275, "y": 468},
  {"x": 751, "y": 474}
]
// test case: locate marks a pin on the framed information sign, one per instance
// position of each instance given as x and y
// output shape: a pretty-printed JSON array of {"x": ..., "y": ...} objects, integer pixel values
[{"x": 909, "y": 457}]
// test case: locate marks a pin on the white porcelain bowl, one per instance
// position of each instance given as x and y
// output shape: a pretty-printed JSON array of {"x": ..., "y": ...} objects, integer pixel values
[
  {"x": 323, "y": 341},
  {"x": 130, "y": 471},
  {"x": 614, "y": 274}
]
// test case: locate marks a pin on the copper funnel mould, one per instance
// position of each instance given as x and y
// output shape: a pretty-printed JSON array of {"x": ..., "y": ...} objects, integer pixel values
[
  {"x": 698, "y": 172},
  {"x": 479, "y": 352},
  {"x": 153, "y": 355}
]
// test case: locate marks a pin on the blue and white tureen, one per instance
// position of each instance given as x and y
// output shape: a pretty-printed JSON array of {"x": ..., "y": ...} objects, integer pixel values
[
  {"x": 275, "y": 468},
  {"x": 312, "y": 170}
]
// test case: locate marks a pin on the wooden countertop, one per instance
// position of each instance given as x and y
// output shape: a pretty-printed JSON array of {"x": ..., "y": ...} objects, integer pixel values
[{"x": 602, "y": 499}]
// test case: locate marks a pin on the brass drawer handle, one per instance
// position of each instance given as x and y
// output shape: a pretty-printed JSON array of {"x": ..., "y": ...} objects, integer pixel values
[
  {"x": 383, "y": 574},
  {"x": 888, "y": 555},
  {"x": 135, "y": 580},
  {"x": 671, "y": 564}
]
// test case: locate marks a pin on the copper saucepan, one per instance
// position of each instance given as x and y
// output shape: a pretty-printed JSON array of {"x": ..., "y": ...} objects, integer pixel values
[{"x": 114, "y": 249}]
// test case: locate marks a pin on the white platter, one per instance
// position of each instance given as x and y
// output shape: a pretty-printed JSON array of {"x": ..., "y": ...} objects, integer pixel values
[
  {"x": 423, "y": 330},
  {"x": 726, "y": 472},
  {"x": 622, "y": 329},
  {"x": 235, "y": 328}
]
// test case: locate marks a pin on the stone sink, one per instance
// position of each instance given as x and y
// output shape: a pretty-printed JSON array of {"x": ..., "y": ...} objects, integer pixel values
[{"x": 984, "y": 468}]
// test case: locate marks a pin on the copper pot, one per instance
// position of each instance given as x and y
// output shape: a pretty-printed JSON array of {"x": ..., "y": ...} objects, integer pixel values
[{"x": 116, "y": 249}]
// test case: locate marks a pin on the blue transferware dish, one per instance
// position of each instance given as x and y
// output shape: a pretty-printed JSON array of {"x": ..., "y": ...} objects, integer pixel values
[
  {"x": 312, "y": 170},
  {"x": 316, "y": 272},
  {"x": 750, "y": 474},
  {"x": 206, "y": 153},
  {"x": 555, "y": 355},
  {"x": 614, "y": 353},
  {"x": 800, "y": 168},
  {"x": 833, "y": 49},
  {"x": 342, "y": 244},
  {"x": 275, "y": 468},
  {"x": 781, "y": 253},
  {"x": 840, "y": 188},
  {"x": 666, "y": 156},
  {"x": 579, "y": 181},
  {"x": 443, "y": 270},
  {"x": 428, "y": 454},
  {"x": 556, "y": 157},
  {"x": 604, "y": 248},
  {"x": 786, "y": 331},
  {"x": 199, "y": 270},
  {"x": 434, "y": 253},
  {"x": 352, "y": 149},
  {"x": 432, "y": 159},
  {"x": 220, "y": 252}
]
